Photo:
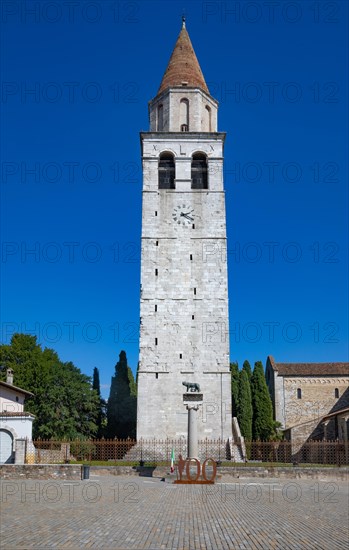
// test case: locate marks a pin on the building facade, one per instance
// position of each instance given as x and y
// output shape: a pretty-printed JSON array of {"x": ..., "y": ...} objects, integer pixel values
[
  {"x": 16, "y": 425},
  {"x": 310, "y": 400},
  {"x": 184, "y": 287}
]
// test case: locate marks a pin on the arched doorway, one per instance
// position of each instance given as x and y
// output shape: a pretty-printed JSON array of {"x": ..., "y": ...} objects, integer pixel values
[{"x": 6, "y": 446}]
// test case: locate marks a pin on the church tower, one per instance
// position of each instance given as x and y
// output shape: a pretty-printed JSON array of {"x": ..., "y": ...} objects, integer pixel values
[{"x": 184, "y": 332}]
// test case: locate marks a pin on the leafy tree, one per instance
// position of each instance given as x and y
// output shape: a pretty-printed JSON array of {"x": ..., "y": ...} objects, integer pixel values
[
  {"x": 262, "y": 423},
  {"x": 121, "y": 407},
  {"x": 64, "y": 403},
  {"x": 101, "y": 418},
  {"x": 247, "y": 367},
  {"x": 244, "y": 405},
  {"x": 234, "y": 369}
]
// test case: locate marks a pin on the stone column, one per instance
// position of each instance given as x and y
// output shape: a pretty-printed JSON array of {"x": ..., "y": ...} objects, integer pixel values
[
  {"x": 20, "y": 446},
  {"x": 193, "y": 451},
  {"x": 192, "y": 401}
]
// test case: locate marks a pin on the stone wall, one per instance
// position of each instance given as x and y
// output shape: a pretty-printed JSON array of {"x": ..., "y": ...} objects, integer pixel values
[
  {"x": 184, "y": 332},
  {"x": 229, "y": 474},
  {"x": 41, "y": 471},
  {"x": 318, "y": 398},
  {"x": 224, "y": 474},
  {"x": 59, "y": 453}
]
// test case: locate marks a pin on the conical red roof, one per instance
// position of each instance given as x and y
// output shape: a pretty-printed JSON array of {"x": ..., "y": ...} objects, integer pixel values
[{"x": 183, "y": 66}]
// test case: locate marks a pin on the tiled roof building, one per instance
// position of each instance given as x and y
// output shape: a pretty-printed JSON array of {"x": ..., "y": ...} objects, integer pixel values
[{"x": 310, "y": 399}]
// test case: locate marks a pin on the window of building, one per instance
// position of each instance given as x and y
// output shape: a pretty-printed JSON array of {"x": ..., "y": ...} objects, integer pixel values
[
  {"x": 156, "y": 375},
  {"x": 160, "y": 125},
  {"x": 166, "y": 171},
  {"x": 199, "y": 171},
  {"x": 208, "y": 124},
  {"x": 336, "y": 393},
  {"x": 299, "y": 393},
  {"x": 184, "y": 115}
]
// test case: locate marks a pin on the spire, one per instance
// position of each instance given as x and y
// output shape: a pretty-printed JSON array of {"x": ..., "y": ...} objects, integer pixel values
[{"x": 183, "y": 66}]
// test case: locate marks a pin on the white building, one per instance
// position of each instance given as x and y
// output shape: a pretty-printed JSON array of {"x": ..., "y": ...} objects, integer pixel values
[
  {"x": 184, "y": 289},
  {"x": 15, "y": 424}
]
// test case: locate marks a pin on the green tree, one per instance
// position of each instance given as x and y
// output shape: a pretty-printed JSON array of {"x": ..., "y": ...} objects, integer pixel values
[
  {"x": 262, "y": 423},
  {"x": 244, "y": 406},
  {"x": 247, "y": 367},
  {"x": 234, "y": 370},
  {"x": 133, "y": 384},
  {"x": 101, "y": 418},
  {"x": 121, "y": 406},
  {"x": 64, "y": 403}
]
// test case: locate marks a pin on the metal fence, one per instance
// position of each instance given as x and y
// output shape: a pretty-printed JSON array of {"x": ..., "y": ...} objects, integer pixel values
[
  {"x": 103, "y": 450},
  {"x": 114, "y": 450},
  {"x": 159, "y": 451},
  {"x": 285, "y": 452}
]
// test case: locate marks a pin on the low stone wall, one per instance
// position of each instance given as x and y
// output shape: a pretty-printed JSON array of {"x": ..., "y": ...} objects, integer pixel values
[
  {"x": 40, "y": 471},
  {"x": 339, "y": 474},
  {"x": 226, "y": 474}
]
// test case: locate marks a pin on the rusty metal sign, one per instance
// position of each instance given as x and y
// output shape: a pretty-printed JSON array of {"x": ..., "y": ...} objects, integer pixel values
[{"x": 186, "y": 476}]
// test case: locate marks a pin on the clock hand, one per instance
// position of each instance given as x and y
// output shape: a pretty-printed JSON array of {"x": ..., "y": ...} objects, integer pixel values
[{"x": 188, "y": 217}]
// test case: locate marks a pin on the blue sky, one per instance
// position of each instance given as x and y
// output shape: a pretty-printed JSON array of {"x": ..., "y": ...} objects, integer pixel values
[{"x": 77, "y": 78}]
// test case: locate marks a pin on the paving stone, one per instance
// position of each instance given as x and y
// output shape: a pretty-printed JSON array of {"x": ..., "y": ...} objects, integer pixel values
[{"x": 149, "y": 514}]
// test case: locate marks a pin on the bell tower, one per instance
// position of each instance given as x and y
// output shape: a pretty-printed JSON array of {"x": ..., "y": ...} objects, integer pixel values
[{"x": 184, "y": 332}]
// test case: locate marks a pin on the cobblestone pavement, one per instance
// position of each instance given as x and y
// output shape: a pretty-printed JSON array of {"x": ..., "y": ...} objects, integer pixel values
[{"x": 145, "y": 513}]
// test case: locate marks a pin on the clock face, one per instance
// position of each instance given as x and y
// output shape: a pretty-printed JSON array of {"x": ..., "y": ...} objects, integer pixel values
[{"x": 183, "y": 214}]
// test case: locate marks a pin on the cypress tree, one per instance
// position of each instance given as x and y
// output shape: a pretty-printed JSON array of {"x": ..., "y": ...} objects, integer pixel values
[
  {"x": 244, "y": 406},
  {"x": 101, "y": 409},
  {"x": 234, "y": 369},
  {"x": 262, "y": 422},
  {"x": 121, "y": 407},
  {"x": 247, "y": 367}
]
